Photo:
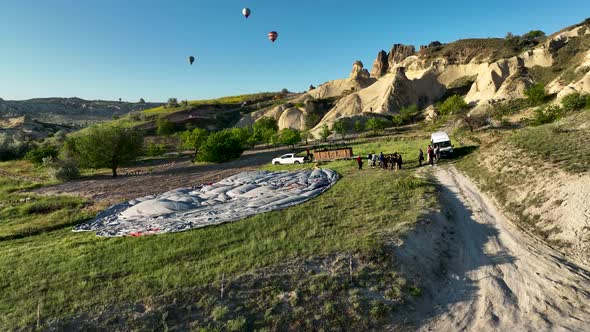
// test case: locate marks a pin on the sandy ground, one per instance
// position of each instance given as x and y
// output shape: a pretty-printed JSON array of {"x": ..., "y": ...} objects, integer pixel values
[
  {"x": 489, "y": 276},
  {"x": 167, "y": 175}
]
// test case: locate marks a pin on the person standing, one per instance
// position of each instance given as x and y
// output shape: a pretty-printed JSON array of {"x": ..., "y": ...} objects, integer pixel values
[
  {"x": 359, "y": 160},
  {"x": 399, "y": 161},
  {"x": 437, "y": 153},
  {"x": 381, "y": 159},
  {"x": 420, "y": 157},
  {"x": 430, "y": 153},
  {"x": 374, "y": 159}
]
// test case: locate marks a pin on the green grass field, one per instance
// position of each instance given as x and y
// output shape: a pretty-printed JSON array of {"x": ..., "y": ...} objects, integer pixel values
[
  {"x": 66, "y": 274},
  {"x": 565, "y": 143}
]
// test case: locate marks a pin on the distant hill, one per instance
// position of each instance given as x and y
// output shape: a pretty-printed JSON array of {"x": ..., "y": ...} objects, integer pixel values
[{"x": 69, "y": 111}]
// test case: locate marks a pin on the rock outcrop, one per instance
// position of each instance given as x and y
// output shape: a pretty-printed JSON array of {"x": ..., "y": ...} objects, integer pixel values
[
  {"x": 359, "y": 72},
  {"x": 489, "y": 84},
  {"x": 399, "y": 53},
  {"x": 381, "y": 65}
]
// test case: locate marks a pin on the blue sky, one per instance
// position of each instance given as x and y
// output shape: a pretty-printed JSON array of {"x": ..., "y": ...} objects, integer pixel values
[{"x": 131, "y": 49}]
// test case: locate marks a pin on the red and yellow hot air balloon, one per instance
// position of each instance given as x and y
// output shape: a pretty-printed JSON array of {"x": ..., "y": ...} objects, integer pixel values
[
  {"x": 246, "y": 12},
  {"x": 272, "y": 36}
]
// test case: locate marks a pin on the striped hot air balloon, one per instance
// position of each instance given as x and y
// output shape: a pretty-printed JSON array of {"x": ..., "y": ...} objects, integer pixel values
[
  {"x": 272, "y": 36},
  {"x": 246, "y": 12}
]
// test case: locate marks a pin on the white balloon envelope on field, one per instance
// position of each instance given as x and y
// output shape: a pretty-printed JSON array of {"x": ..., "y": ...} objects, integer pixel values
[{"x": 237, "y": 197}]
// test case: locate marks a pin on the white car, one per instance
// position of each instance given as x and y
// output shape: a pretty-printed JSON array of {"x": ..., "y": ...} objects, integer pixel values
[{"x": 288, "y": 158}]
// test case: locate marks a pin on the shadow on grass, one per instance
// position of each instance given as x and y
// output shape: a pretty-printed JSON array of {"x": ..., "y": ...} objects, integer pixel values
[{"x": 463, "y": 151}]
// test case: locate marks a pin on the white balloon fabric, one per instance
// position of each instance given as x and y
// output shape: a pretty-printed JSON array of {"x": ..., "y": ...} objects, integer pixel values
[{"x": 234, "y": 198}]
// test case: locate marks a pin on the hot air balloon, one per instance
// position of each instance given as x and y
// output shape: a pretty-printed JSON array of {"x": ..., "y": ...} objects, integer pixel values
[
  {"x": 246, "y": 12},
  {"x": 191, "y": 59},
  {"x": 272, "y": 36}
]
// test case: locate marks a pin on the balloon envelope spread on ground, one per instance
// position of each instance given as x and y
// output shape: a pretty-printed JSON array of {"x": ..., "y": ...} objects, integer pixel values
[{"x": 237, "y": 197}]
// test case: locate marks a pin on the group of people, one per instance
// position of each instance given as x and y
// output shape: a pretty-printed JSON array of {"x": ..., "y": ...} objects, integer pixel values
[
  {"x": 433, "y": 155},
  {"x": 391, "y": 162},
  {"x": 395, "y": 161}
]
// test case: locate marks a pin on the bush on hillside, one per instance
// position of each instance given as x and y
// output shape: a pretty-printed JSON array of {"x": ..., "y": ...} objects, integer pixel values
[
  {"x": 453, "y": 105},
  {"x": 544, "y": 115},
  {"x": 536, "y": 94},
  {"x": 574, "y": 102},
  {"x": 164, "y": 127},
  {"x": 406, "y": 115},
  {"x": 220, "y": 146},
  {"x": 244, "y": 135},
  {"x": 36, "y": 155},
  {"x": 358, "y": 126},
  {"x": 61, "y": 169}
]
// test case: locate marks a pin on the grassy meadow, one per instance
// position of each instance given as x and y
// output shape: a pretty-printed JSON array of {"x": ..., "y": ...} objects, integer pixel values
[{"x": 57, "y": 274}]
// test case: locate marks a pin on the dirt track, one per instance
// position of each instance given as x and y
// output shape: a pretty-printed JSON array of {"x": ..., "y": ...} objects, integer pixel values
[
  {"x": 168, "y": 175},
  {"x": 491, "y": 275}
]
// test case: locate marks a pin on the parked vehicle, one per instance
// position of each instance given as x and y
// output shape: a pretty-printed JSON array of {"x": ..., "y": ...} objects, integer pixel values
[
  {"x": 289, "y": 158},
  {"x": 441, "y": 140}
]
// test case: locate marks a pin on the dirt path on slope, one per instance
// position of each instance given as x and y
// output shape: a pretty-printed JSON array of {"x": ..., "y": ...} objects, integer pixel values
[
  {"x": 488, "y": 275},
  {"x": 105, "y": 190}
]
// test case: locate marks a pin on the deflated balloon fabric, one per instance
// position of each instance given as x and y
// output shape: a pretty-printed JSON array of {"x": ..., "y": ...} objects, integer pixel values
[{"x": 237, "y": 197}]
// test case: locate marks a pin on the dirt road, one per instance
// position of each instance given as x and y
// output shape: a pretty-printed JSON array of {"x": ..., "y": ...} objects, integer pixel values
[{"x": 491, "y": 276}]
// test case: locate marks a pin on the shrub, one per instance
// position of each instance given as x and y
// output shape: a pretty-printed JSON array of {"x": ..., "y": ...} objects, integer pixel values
[
  {"x": 164, "y": 127},
  {"x": 61, "y": 169},
  {"x": 244, "y": 135},
  {"x": 36, "y": 155},
  {"x": 406, "y": 115},
  {"x": 376, "y": 125},
  {"x": 311, "y": 120},
  {"x": 536, "y": 94},
  {"x": 453, "y": 105},
  {"x": 220, "y": 146},
  {"x": 573, "y": 102},
  {"x": 104, "y": 146},
  {"x": 545, "y": 115},
  {"x": 154, "y": 150},
  {"x": 358, "y": 126}
]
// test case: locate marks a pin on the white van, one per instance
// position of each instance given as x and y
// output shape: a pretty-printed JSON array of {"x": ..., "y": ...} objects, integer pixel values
[{"x": 441, "y": 139}]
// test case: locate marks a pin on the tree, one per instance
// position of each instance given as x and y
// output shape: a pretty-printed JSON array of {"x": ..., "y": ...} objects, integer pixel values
[
  {"x": 376, "y": 125},
  {"x": 164, "y": 127},
  {"x": 290, "y": 137},
  {"x": 220, "y": 146},
  {"x": 172, "y": 102},
  {"x": 453, "y": 105},
  {"x": 536, "y": 94},
  {"x": 285, "y": 91},
  {"x": 340, "y": 127},
  {"x": 406, "y": 115},
  {"x": 264, "y": 129},
  {"x": 243, "y": 135},
  {"x": 307, "y": 135},
  {"x": 105, "y": 146},
  {"x": 141, "y": 101},
  {"x": 325, "y": 132},
  {"x": 37, "y": 155},
  {"x": 193, "y": 139}
]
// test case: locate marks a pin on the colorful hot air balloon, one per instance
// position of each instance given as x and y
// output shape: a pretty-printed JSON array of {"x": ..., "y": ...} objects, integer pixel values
[
  {"x": 272, "y": 36},
  {"x": 246, "y": 12},
  {"x": 191, "y": 59}
]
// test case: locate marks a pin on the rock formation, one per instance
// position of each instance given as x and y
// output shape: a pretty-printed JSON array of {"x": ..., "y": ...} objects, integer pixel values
[
  {"x": 381, "y": 65},
  {"x": 358, "y": 72},
  {"x": 399, "y": 53}
]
